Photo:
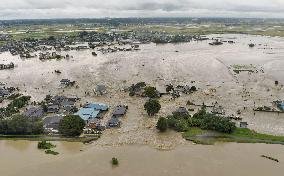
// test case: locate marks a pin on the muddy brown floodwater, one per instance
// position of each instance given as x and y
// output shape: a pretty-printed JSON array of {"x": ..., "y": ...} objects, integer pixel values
[
  {"x": 23, "y": 158},
  {"x": 137, "y": 144}
]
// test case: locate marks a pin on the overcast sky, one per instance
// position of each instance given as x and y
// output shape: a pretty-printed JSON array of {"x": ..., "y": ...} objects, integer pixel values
[{"x": 31, "y": 9}]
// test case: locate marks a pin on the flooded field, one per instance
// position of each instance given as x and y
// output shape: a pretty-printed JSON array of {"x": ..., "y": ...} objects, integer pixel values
[
  {"x": 158, "y": 65},
  {"x": 23, "y": 158}
]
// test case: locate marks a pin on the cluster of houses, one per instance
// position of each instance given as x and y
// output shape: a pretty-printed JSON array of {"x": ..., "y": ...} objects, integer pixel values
[
  {"x": 7, "y": 66},
  {"x": 5, "y": 37},
  {"x": 52, "y": 55},
  {"x": 67, "y": 82},
  {"x": 91, "y": 113},
  {"x": 94, "y": 39},
  {"x": 117, "y": 49},
  {"x": 94, "y": 112},
  {"x": 4, "y": 93},
  {"x": 62, "y": 104},
  {"x": 118, "y": 112},
  {"x": 34, "y": 112}
]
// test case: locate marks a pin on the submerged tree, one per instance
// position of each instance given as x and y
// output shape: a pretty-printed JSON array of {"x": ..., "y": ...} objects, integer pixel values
[
  {"x": 71, "y": 125},
  {"x": 152, "y": 107},
  {"x": 162, "y": 124}
]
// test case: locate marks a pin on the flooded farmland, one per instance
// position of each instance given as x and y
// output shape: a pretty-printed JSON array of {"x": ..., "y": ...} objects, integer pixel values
[
  {"x": 137, "y": 141},
  {"x": 23, "y": 158},
  {"x": 209, "y": 67}
]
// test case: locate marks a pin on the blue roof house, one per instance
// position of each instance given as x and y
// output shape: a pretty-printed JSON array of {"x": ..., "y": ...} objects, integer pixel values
[
  {"x": 281, "y": 106},
  {"x": 97, "y": 106},
  {"x": 91, "y": 111}
]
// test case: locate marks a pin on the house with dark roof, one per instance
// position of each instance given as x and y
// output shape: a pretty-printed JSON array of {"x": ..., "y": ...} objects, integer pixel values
[
  {"x": 51, "y": 124},
  {"x": 243, "y": 124},
  {"x": 65, "y": 82},
  {"x": 4, "y": 93},
  {"x": 57, "y": 100},
  {"x": 52, "y": 108},
  {"x": 119, "y": 111},
  {"x": 113, "y": 122},
  {"x": 67, "y": 103},
  {"x": 100, "y": 89},
  {"x": 34, "y": 112},
  {"x": 182, "y": 110}
]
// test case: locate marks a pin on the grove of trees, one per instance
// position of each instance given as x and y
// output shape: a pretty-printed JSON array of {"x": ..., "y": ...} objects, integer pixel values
[
  {"x": 207, "y": 121},
  {"x": 20, "y": 125},
  {"x": 71, "y": 125}
]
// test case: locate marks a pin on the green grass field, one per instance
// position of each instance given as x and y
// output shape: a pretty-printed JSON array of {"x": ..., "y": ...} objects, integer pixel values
[{"x": 240, "y": 135}]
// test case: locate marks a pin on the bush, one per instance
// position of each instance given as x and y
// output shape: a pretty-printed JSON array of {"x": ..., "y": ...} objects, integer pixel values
[
  {"x": 178, "y": 122},
  {"x": 193, "y": 89},
  {"x": 181, "y": 125},
  {"x": 152, "y": 107},
  {"x": 162, "y": 124},
  {"x": 45, "y": 145},
  {"x": 51, "y": 152},
  {"x": 71, "y": 125},
  {"x": 114, "y": 161}
]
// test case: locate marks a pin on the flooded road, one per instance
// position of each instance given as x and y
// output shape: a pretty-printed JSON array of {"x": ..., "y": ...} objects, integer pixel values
[{"x": 23, "y": 158}]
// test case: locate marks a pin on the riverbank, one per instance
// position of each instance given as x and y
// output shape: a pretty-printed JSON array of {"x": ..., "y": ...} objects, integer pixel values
[
  {"x": 240, "y": 135},
  {"x": 84, "y": 139}
]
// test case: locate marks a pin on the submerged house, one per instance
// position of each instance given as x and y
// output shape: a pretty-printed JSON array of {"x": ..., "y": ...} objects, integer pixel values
[
  {"x": 7, "y": 66},
  {"x": 243, "y": 124},
  {"x": 51, "y": 124},
  {"x": 53, "y": 108},
  {"x": 181, "y": 110},
  {"x": 4, "y": 93},
  {"x": 90, "y": 112},
  {"x": 100, "y": 89},
  {"x": 113, "y": 122},
  {"x": 34, "y": 112},
  {"x": 65, "y": 82},
  {"x": 119, "y": 111},
  {"x": 281, "y": 106}
]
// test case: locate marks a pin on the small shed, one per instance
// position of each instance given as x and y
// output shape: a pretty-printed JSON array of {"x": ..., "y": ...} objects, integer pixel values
[
  {"x": 65, "y": 81},
  {"x": 113, "y": 122},
  {"x": 182, "y": 110},
  {"x": 243, "y": 124},
  {"x": 100, "y": 89}
]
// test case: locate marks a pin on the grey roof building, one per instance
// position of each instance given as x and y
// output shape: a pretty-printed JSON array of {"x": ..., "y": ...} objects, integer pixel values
[
  {"x": 119, "y": 111},
  {"x": 52, "y": 122},
  {"x": 34, "y": 112},
  {"x": 113, "y": 122}
]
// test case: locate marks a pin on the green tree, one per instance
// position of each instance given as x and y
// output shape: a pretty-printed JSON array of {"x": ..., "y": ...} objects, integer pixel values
[
  {"x": 151, "y": 92},
  {"x": 162, "y": 124},
  {"x": 193, "y": 88},
  {"x": 71, "y": 125},
  {"x": 20, "y": 125},
  {"x": 152, "y": 107},
  {"x": 114, "y": 161}
]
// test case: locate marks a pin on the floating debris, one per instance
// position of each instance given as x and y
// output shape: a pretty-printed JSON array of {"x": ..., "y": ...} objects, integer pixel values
[{"x": 270, "y": 158}]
